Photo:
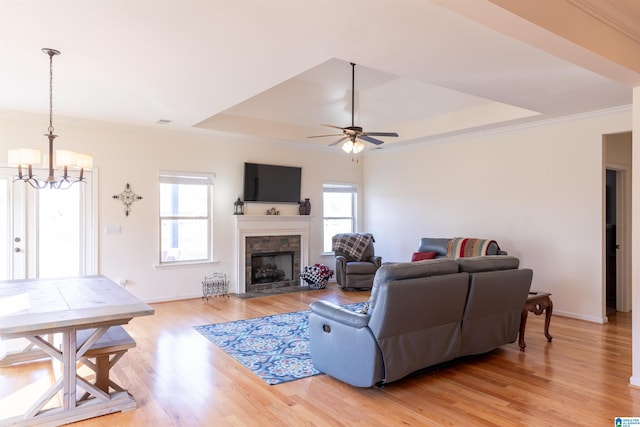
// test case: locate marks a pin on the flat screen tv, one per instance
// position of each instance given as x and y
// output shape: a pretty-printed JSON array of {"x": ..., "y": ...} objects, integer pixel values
[{"x": 271, "y": 183}]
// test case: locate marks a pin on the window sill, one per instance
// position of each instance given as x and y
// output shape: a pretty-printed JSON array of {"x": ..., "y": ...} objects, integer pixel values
[{"x": 185, "y": 264}]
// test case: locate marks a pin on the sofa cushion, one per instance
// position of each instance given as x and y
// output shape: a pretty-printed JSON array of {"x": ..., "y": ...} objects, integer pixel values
[
  {"x": 409, "y": 270},
  {"x": 433, "y": 244},
  {"x": 421, "y": 256},
  {"x": 360, "y": 267},
  {"x": 488, "y": 263}
]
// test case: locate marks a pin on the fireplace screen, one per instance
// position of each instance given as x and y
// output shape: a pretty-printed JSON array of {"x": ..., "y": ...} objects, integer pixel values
[{"x": 271, "y": 267}]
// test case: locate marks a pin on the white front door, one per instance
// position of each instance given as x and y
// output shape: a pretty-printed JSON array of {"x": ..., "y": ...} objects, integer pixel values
[{"x": 48, "y": 233}]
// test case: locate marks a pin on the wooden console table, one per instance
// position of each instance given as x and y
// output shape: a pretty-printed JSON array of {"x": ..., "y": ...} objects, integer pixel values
[{"x": 537, "y": 302}]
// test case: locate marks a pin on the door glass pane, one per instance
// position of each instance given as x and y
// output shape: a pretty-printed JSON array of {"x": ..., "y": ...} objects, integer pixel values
[
  {"x": 5, "y": 244},
  {"x": 59, "y": 225}
]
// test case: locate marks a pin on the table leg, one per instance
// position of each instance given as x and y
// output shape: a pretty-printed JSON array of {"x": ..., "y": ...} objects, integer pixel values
[
  {"x": 69, "y": 369},
  {"x": 547, "y": 319},
  {"x": 72, "y": 409}
]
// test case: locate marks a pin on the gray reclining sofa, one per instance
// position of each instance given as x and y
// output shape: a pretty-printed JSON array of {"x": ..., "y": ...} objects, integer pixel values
[{"x": 420, "y": 314}]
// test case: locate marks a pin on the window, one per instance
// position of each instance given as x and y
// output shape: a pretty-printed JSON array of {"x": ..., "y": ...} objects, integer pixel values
[
  {"x": 185, "y": 217},
  {"x": 339, "y": 211}
]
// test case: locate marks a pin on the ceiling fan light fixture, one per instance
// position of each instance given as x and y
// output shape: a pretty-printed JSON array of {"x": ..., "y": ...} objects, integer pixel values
[
  {"x": 358, "y": 146},
  {"x": 347, "y": 147},
  {"x": 354, "y": 133}
]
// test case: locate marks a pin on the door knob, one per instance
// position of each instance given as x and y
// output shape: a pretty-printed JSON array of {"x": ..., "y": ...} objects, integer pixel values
[{"x": 17, "y": 250}]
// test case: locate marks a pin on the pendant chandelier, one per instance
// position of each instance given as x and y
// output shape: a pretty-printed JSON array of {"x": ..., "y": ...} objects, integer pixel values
[{"x": 28, "y": 157}]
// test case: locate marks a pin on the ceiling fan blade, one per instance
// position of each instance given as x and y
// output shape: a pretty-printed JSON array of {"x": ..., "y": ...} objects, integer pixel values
[
  {"x": 371, "y": 140},
  {"x": 338, "y": 141},
  {"x": 332, "y": 126},
  {"x": 381, "y": 134},
  {"x": 322, "y": 136}
]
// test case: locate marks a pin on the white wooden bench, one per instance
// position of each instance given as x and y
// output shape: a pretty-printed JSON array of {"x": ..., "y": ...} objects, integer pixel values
[{"x": 106, "y": 351}]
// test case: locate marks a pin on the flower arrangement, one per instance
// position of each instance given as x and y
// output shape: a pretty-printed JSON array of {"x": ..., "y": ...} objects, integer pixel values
[{"x": 316, "y": 276}]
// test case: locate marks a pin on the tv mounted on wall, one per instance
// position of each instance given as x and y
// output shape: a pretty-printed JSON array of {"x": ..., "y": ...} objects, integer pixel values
[{"x": 272, "y": 183}]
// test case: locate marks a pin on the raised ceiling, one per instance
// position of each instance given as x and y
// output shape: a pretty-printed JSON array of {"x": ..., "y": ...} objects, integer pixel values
[{"x": 277, "y": 70}]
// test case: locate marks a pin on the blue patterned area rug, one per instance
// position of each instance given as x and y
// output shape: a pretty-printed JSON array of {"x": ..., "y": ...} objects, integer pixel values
[{"x": 276, "y": 348}]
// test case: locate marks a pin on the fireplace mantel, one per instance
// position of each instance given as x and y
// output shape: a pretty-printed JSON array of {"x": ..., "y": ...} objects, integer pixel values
[{"x": 268, "y": 225}]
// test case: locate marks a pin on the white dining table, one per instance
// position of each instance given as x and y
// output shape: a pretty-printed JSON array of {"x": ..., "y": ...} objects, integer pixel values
[{"x": 38, "y": 308}]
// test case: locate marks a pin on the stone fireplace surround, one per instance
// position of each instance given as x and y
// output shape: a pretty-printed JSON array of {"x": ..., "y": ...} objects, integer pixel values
[
  {"x": 268, "y": 225},
  {"x": 285, "y": 247}
]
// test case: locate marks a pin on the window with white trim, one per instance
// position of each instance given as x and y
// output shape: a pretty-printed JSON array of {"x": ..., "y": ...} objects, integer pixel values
[
  {"x": 185, "y": 217},
  {"x": 339, "y": 202}
]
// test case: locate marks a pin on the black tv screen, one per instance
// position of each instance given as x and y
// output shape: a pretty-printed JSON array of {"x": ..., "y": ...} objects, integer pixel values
[{"x": 271, "y": 183}]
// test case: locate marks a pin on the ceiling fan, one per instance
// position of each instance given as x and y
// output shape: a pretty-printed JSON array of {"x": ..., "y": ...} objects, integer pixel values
[{"x": 353, "y": 133}]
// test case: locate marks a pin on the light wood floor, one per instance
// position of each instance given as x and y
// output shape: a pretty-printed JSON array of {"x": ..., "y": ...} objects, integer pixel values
[{"x": 179, "y": 378}]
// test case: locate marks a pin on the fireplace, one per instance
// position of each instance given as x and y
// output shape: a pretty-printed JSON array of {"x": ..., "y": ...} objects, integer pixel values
[
  {"x": 267, "y": 234},
  {"x": 271, "y": 267},
  {"x": 272, "y": 262}
]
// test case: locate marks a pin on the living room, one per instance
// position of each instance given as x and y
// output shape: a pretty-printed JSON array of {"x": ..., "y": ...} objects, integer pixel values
[{"x": 536, "y": 188}]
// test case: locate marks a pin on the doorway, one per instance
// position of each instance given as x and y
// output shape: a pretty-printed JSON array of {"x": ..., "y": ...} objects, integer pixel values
[
  {"x": 611, "y": 243},
  {"x": 617, "y": 224},
  {"x": 47, "y": 233}
]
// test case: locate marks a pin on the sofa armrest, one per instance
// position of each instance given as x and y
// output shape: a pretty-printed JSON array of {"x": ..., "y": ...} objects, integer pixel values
[
  {"x": 342, "y": 345},
  {"x": 377, "y": 260},
  {"x": 331, "y": 311}
]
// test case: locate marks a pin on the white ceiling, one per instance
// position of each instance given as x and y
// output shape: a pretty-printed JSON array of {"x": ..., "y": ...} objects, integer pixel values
[{"x": 278, "y": 69}]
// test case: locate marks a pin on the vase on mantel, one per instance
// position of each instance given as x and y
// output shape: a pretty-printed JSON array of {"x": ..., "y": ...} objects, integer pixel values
[
  {"x": 307, "y": 207},
  {"x": 301, "y": 208}
]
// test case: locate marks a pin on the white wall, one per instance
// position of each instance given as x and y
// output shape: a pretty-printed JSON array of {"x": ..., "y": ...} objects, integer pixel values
[
  {"x": 537, "y": 191},
  {"x": 134, "y": 155}
]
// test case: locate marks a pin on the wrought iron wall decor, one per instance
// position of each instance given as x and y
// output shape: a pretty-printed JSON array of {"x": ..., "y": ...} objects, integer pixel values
[{"x": 127, "y": 197}]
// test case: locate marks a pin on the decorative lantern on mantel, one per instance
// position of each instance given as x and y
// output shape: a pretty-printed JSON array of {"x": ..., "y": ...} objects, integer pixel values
[{"x": 238, "y": 207}]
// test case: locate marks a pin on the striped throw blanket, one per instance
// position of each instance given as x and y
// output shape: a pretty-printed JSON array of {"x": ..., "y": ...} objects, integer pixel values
[
  {"x": 352, "y": 244},
  {"x": 460, "y": 247}
]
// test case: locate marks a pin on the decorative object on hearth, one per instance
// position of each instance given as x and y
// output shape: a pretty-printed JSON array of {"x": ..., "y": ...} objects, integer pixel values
[
  {"x": 351, "y": 135},
  {"x": 27, "y": 157},
  {"x": 215, "y": 285},
  {"x": 127, "y": 197},
  {"x": 307, "y": 207},
  {"x": 238, "y": 207},
  {"x": 301, "y": 209},
  {"x": 316, "y": 276},
  {"x": 272, "y": 211}
]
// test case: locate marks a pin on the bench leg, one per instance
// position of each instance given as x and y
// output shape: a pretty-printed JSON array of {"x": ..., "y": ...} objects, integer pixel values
[{"x": 102, "y": 372}]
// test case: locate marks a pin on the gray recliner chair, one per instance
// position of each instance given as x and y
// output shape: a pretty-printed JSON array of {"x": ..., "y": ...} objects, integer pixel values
[{"x": 356, "y": 262}]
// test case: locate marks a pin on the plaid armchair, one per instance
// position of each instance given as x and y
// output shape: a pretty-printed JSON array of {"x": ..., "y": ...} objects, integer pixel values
[{"x": 356, "y": 262}]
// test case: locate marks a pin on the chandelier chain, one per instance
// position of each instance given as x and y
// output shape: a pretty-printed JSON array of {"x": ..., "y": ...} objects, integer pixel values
[{"x": 50, "y": 92}]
